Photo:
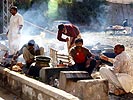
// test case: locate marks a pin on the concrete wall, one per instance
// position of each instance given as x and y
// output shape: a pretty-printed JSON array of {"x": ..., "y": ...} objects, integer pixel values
[
  {"x": 96, "y": 89},
  {"x": 118, "y": 12},
  {"x": 31, "y": 89},
  {"x": 85, "y": 89}
]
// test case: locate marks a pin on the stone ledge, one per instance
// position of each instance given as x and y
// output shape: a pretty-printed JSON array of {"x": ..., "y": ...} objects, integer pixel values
[{"x": 30, "y": 88}]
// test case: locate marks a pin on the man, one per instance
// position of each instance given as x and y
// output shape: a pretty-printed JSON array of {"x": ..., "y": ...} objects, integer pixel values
[
  {"x": 126, "y": 26},
  {"x": 125, "y": 23},
  {"x": 69, "y": 30},
  {"x": 13, "y": 34},
  {"x": 81, "y": 59},
  {"x": 29, "y": 51},
  {"x": 120, "y": 76}
]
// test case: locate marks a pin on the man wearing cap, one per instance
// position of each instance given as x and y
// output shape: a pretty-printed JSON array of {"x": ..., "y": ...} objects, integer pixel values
[
  {"x": 13, "y": 33},
  {"x": 29, "y": 51},
  {"x": 69, "y": 30}
]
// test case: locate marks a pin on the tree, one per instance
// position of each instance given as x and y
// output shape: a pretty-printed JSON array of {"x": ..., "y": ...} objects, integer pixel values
[{"x": 82, "y": 12}]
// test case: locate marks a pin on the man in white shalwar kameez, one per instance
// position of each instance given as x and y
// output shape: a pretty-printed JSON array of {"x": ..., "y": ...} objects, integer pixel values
[
  {"x": 120, "y": 76},
  {"x": 13, "y": 34}
]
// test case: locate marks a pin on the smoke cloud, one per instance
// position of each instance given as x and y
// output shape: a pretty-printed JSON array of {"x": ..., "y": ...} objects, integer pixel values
[{"x": 35, "y": 21}]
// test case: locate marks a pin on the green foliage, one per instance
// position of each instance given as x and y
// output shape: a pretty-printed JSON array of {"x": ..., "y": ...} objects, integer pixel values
[
  {"x": 131, "y": 5},
  {"x": 82, "y": 12},
  {"x": 22, "y": 4},
  {"x": 1, "y": 6},
  {"x": 78, "y": 12}
]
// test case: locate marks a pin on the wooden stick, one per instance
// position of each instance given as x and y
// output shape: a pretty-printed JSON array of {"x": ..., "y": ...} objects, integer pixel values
[{"x": 68, "y": 44}]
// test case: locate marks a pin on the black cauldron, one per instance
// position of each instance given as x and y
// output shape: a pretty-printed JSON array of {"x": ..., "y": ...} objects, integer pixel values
[
  {"x": 94, "y": 51},
  {"x": 42, "y": 61}
]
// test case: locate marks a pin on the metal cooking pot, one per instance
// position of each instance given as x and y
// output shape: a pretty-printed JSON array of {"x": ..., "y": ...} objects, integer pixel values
[
  {"x": 42, "y": 58},
  {"x": 96, "y": 51},
  {"x": 42, "y": 61},
  {"x": 108, "y": 50}
]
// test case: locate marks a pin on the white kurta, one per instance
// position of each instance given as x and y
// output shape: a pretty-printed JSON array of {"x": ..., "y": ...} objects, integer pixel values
[
  {"x": 122, "y": 73},
  {"x": 13, "y": 33}
]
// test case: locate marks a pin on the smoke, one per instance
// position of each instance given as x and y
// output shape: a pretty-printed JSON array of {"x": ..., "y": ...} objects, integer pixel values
[
  {"x": 35, "y": 21},
  {"x": 35, "y": 15},
  {"x": 99, "y": 23}
]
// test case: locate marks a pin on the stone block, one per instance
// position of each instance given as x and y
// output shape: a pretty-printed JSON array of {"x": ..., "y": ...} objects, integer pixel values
[
  {"x": 48, "y": 73},
  {"x": 68, "y": 80},
  {"x": 95, "y": 89}
]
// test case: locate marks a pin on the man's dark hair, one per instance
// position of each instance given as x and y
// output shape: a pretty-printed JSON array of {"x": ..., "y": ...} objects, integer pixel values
[
  {"x": 14, "y": 8},
  {"x": 60, "y": 27},
  {"x": 79, "y": 40},
  {"x": 121, "y": 46}
]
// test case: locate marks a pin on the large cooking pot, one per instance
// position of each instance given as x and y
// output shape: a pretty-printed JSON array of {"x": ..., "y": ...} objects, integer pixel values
[
  {"x": 110, "y": 55},
  {"x": 101, "y": 47},
  {"x": 42, "y": 58},
  {"x": 42, "y": 61},
  {"x": 108, "y": 50},
  {"x": 96, "y": 51}
]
